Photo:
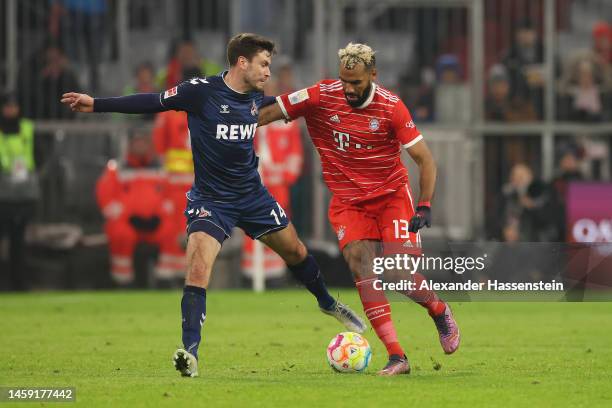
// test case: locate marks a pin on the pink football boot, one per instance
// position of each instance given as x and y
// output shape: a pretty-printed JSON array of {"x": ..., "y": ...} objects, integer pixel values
[
  {"x": 397, "y": 365},
  {"x": 448, "y": 330}
]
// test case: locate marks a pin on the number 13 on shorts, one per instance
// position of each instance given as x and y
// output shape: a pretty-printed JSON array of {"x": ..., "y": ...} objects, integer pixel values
[
  {"x": 401, "y": 229},
  {"x": 281, "y": 214}
]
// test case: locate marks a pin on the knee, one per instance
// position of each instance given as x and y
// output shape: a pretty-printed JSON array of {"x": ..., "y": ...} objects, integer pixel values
[
  {"x": 356, "y": 260},
  {"x": 198, "y": 274},
  {"x": 296, "y": 254}
]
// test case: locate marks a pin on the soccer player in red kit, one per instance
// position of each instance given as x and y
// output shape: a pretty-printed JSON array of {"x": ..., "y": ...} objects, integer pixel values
[{"x": 359, "y": 128}]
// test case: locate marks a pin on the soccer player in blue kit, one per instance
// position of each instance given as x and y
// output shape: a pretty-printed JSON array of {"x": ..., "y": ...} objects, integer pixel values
[{"x": 227, "y": 191}]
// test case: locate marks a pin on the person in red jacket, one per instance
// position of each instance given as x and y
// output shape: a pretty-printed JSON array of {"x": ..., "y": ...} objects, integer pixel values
[
  {"x": 172, "y": 144},
  {"x": 279, "y": 147},
  {"x": 131, "y": 195}
]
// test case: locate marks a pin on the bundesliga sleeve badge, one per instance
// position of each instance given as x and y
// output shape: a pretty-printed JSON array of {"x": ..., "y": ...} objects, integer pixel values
[
  {"x": 298, "y": 96},
  {"x": 170, "y": 92}
]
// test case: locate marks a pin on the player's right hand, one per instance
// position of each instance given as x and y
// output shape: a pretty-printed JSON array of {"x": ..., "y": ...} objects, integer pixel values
[{"x": 78, "y": 102}]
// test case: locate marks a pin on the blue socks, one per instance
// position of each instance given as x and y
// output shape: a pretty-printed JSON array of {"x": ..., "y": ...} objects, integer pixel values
[
  {"x": 193, "y": 308},
  {"x": 309, "y": 274}
]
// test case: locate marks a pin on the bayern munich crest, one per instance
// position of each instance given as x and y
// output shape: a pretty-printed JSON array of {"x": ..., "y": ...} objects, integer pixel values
[{"x": 374, "y": 124}]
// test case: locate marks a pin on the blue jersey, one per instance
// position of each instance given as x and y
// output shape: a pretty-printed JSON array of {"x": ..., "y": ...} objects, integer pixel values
[{"x": 222, "y": 125}]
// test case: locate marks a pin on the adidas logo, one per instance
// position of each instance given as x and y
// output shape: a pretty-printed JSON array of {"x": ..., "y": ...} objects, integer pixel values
[{"x": 334, "y": 119}]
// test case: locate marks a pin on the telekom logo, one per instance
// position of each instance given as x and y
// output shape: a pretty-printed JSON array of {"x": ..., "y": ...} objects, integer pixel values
[
  {"x": 587, "y": 230},
  {"x": 342, "y": 139}
]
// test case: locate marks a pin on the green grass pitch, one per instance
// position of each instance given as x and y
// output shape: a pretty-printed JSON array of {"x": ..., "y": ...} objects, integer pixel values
[{"x": 269, "y": 350}]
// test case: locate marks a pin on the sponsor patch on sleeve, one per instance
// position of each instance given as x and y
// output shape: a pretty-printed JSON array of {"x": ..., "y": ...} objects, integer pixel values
[
  {"x": 170, "y": 92},
  {"x": 298, "y": 96}
]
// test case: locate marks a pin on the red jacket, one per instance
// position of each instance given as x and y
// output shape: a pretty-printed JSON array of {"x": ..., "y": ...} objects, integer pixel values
[
  {"x": 172, "y": 143},
  {"x": 279, "y": 147},
  {"x": 132, "y": 188}
]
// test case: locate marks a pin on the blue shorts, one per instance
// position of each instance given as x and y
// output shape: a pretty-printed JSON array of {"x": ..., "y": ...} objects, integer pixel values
[{"x": 257, "y": 213}]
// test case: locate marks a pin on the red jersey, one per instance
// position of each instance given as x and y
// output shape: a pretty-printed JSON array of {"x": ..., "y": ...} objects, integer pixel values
[{"x": 359, "y": 147}]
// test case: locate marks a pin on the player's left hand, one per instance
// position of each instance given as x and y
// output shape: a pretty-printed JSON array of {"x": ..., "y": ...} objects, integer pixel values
[
  {"x": 421, "y": 219},
  {"x": 78, "y": 102}
]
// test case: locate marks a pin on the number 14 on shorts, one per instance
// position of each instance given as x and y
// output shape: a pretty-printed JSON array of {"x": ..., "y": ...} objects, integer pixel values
[{"x": 281, "y": 214}]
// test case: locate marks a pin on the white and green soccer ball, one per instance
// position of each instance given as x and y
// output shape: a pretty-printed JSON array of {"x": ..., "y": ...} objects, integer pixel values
[{"x": 349, "y": 352}]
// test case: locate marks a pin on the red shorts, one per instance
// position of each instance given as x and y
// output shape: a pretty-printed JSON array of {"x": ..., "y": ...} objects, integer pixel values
[{"x": 384, "y": 218}]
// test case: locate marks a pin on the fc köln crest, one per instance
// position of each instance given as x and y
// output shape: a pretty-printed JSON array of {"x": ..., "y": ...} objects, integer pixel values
[{"x": 254, "y": 110}]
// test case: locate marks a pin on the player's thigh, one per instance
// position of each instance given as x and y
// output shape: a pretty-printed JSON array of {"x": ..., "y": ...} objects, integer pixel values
[
  {"x": 352, "y": 223},
  {"x": 261, "y": 214},
  {"x": 286, "y": 243},
  {"x": 202, "y": 250},
  {"x": 359, "y": 256}
]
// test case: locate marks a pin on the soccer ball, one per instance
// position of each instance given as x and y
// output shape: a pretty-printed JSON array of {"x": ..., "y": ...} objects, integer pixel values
[{"x": 349, "y": 352}]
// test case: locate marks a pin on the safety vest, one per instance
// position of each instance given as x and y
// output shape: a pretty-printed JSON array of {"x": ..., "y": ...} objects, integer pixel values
[{"x": 17, "y": 150}]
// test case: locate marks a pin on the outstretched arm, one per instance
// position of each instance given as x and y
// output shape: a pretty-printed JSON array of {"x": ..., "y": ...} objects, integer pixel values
[
  {"x": 137, "y": 103},
  {"x": 270, "y": 114}
]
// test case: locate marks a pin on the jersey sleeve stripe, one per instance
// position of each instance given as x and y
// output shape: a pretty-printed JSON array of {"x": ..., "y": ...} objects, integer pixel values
[
  {"x": 413, "y": 142},
  {"x": 282, "y": 106}
]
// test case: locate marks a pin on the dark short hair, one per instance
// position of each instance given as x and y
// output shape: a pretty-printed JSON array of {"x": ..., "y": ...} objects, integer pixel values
[{"x": 247, "y": 45}]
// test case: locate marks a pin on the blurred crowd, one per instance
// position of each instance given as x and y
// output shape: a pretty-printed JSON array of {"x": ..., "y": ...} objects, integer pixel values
[
  {"x": 141, "y": 192},
  {"x": 157, "y": 160},
  {"x": 532, "y": 210},
  {"x": 515, "y": 81}
]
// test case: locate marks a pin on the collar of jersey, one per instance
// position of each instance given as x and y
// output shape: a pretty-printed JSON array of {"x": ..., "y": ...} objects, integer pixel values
[
  {"x": 370, "y": 97},
  {"x": 229, "y": 87}
]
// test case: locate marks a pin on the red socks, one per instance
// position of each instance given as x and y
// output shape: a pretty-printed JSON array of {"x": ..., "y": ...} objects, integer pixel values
[
  {"x": 378, "y": 311},
  {"x": 425, "y": 297}
]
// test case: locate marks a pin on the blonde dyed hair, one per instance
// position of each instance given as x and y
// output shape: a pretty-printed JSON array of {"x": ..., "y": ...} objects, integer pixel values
[{"x": 353, "y": 54}]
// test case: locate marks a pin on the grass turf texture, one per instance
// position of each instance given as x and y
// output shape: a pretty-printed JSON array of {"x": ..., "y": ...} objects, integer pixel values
[{"x": 269, "y": 350}]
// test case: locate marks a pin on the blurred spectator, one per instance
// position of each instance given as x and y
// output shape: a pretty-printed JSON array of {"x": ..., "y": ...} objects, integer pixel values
[
  {"x": 81, "y": 24},
  {"x": 511, "y": 231},
  {"x": 500, "y": 105},
  {"x": 524, "y": 62},
  {"x": 284, "y": 77},
  {"x": 19, "y": 188},
  {"x": 53, "y": 80},
  {"x": 185, "y": 58},
  {"x": 132, "y": 196},
  {"x": 602, "y": 43},
  {"x": 567, "y": 172},
  {"x": 144, "y": 82},
  {"x": 586, "y": 86},
  {"x": 526, "y": 199},
  {"x": 451, "y": 95},
  {"x": 172, "y": 143},
  {"x": 584, "y": 90},
  {"x": 279, "y": 147},
  {"x": 424, "y": 105}
]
